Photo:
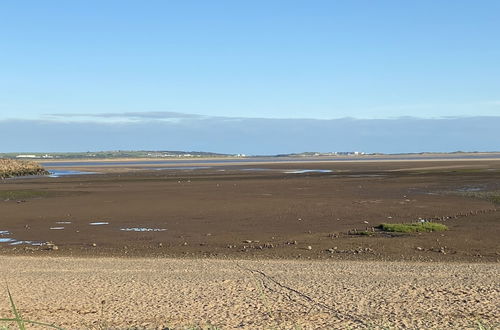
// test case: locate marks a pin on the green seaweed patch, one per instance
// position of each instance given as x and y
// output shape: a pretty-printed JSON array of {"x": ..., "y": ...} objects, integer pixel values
[{"x": 412, "y": 227}]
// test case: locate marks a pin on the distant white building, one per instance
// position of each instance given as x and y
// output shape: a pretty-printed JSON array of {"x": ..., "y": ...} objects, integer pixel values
[{"x": 26, "y": 156}]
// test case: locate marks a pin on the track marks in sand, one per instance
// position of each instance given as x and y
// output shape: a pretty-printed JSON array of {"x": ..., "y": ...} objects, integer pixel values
[{"x": 274, "y": 286}]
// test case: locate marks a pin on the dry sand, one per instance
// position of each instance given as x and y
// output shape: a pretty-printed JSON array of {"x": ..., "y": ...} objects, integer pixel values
[{"x": 176, "y": 293}]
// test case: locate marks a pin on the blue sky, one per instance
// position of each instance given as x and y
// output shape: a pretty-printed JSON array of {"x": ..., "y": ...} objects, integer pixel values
[{"x": 98, "y": 62}]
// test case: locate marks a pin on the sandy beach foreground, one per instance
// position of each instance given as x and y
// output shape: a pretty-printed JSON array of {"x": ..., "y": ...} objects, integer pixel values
[{"x": 119, "y": 293}]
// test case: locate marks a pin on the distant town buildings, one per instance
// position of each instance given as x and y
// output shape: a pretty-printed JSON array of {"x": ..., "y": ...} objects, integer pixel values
[
  {"x": 165, "y": 155},
  {"x": 348, "y": 153},
  {"x": 334, "y": 153}
]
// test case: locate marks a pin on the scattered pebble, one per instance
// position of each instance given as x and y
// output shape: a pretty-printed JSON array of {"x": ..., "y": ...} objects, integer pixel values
[
  {"x": 50, "y": 246},
  {"x": 351, "y": 251},
  {"x": 142, "y": 229}
]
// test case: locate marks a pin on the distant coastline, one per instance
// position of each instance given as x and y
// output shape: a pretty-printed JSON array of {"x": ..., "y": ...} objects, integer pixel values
[{"x": 197, "y": 155}]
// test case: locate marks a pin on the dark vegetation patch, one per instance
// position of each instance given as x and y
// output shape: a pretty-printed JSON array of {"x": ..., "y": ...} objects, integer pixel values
[
  {"x": 492, "y": 196},
  {"x": 361, "y": 232},
  {"x": 23, "y": 194}
]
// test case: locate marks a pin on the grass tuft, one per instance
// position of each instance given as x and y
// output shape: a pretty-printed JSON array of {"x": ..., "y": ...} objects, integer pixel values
[
  {"x": 412, "y": 227},
  {"x": 18, "y": 319},
  {"x": 481, "y": 325}
]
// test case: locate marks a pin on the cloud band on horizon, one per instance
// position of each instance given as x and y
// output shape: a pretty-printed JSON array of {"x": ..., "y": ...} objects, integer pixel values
[{"x": 255, "y": 135}]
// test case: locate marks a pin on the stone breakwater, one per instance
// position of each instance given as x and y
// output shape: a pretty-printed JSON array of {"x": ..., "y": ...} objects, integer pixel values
[{"x": 11, "y": 168}]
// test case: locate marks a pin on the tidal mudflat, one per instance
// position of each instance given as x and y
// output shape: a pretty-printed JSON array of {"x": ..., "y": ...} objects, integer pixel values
[{"x": 279, "y": 212}]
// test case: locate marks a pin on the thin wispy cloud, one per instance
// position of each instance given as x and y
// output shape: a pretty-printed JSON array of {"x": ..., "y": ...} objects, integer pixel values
[
  {"x": 431, "y": 110},
  {"x": 130, "y": 115},
  {"x": 176, "y": 117}
]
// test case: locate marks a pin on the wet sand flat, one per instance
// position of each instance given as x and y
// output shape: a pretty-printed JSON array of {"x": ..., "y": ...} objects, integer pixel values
[
  {"x": 276, "y": 211},
  {"x": 88, "y": 293}
]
